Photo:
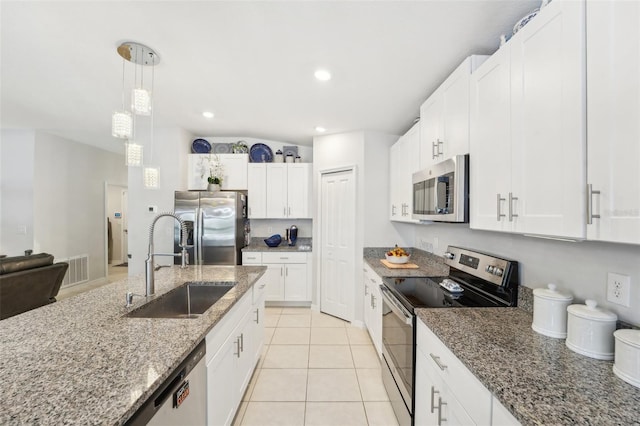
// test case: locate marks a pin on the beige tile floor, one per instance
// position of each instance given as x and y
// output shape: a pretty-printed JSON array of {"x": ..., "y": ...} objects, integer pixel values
[{"x": 315, "y": 370}]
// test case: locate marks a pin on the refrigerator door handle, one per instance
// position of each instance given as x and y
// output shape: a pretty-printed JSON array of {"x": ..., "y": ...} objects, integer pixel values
[{"x": 199, "y": 213}]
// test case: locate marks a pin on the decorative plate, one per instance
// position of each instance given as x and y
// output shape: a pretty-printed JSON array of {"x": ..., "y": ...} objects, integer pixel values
[
  {"x": 200, "y": 146},
  {"x": 240, "y": 147},
  {"x": 524, "y": 21},
  {"x": 260, "y": 153},
  {"x": 290, "y": 150},
  {"x": 222, "y": 148}
]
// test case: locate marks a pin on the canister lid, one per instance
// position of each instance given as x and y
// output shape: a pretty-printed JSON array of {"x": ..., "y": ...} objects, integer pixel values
[
  {"x": 629, "y": 336},
  {"x": 552, "y": 293},
  {"x": 590, "y": 311}
]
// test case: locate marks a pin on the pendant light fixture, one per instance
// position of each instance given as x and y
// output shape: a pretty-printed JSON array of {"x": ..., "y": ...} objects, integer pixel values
[{"x": 123, "y": 122}]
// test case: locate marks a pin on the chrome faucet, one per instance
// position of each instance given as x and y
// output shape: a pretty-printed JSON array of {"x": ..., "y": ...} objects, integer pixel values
[{"x": 149, "y": 264}]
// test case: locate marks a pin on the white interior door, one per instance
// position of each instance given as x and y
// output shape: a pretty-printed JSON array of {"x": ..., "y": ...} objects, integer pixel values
[{"x": 337, "y": 240}]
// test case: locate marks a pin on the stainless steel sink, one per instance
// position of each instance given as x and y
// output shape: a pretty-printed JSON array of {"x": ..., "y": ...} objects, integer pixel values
[{"x": 187, "y": 301}]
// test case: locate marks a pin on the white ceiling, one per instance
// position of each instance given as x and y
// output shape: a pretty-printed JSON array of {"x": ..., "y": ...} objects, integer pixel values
[{"x": 250, "y": 62}]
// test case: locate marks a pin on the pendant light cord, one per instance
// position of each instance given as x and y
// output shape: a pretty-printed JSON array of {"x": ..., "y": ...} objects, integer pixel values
[{"x": 153, "y": 95}]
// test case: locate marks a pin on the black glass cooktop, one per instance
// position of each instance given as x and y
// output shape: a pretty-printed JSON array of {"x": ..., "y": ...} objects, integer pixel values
[{"x": 426, "y": 292}]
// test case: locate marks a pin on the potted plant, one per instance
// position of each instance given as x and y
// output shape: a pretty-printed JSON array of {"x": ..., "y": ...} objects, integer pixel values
[{"x": 215, "y": 174}]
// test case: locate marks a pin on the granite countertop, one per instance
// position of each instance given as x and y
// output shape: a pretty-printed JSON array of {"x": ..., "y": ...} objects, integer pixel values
[
  {"x": 79, "y": 361},
  {"x": 537, "y": 378},
  {"x": 430, "y": 264},
  {"x": 258, "y": 244}
]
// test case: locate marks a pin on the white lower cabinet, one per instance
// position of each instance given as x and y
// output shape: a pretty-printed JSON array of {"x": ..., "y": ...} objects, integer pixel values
[
  {"x": 287, "y": 277},
  {"x": 373, "y": 307},
  {"x": 446, "y": 392},
  {"x": 233, "y": 349}
]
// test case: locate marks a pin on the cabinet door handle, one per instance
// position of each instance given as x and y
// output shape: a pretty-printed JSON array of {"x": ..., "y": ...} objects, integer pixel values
[
  {"x": 281, "y": 270},
  {"x": 373, "y": 301},
  {"x": 393, "y": 210},
  {"x": 438, "y": 362},
  {"x": 289, "y": 211},
  {"x": 434, "y": 155},
  {"x": 433, "y": 394},
  {"x": 499, "y": 199},
  {"x": 440, "y": 418},
  {"x": 366, "y": 290},
  {"x": 257, "y": 316},
  {"x": 511, "y": 213},
  {"x": 237, "y": 347},
  {"x": 284, "y": 211},
  {"x": 590, "y": 215},
  {"x": 372, "y": 280},
  {"x": 436, "y": 148},
  {"x": 286, "y": 271},
  {"x": 241, "y": 342}
]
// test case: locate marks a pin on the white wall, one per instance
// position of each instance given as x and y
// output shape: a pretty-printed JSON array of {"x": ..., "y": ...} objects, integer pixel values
[
  {"x": 171, "y": 147},
  {"x": 16, "y": 191},
  {"x": 69, "y": 198},
  {"x": 579, "y": 267}
]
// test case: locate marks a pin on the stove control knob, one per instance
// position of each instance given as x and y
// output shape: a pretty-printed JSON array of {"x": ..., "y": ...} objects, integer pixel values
[
  {"x": 489, "y": 269},
  {"x": 449, "y": 255},
  {"x": 497, "y": 272}
]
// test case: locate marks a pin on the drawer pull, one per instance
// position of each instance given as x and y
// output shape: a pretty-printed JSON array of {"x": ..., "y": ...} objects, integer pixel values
[
  {"x": 440, "y": 418},
  {"x": 438, "y": 362}
]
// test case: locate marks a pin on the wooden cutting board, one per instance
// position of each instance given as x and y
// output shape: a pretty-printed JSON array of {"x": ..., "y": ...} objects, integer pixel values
[{"x": 390, "y": 265}]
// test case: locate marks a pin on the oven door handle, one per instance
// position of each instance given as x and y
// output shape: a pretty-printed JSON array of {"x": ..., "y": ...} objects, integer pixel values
[{"x": 396, "y": 307}]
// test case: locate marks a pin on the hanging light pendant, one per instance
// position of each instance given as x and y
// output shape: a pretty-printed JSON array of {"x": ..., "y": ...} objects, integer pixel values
[
  {"x": 121, "y": 121},
  {"x": 142, "y": 55},
  {"x": 133, "y": 154}
]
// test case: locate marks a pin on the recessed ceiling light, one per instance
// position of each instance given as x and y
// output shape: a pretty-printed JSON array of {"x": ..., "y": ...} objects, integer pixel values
[
  {"x": 207, "y": 114},
  {"x": 320, "y": 129},
  {"x": 322, "y": 75}
]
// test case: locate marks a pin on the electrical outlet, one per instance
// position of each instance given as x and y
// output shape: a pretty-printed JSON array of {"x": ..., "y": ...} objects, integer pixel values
[{"x": 619, "y": 289}]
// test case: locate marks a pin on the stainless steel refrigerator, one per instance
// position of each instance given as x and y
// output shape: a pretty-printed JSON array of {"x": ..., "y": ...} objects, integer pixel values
[{"x": 216, "y": 226}]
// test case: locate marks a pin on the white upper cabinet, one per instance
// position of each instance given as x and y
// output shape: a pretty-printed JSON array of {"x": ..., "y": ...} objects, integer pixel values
[
  {"x": 490, "y": 147},
  {"x": 279, "y": 190},
  {"x": 403, "y": 162},
  {"x": 444, "y": 117},
  {"x": 613, "y": 144},
  {"x": 234, "y": 176},
  {"x": 257, "y": 194},
  {"x": 528, "y": 149},
  {"x": 548, "y": 83}
]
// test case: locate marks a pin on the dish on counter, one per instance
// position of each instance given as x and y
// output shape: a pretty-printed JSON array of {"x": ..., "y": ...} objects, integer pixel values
[
  {"x": 200, "y": 146},
  {"x": 397, "y": 255},
  {"x": 260, "y": 153}
]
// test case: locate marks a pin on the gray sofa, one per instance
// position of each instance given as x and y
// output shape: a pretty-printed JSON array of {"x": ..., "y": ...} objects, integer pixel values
[{"x": 28, "y": 282}]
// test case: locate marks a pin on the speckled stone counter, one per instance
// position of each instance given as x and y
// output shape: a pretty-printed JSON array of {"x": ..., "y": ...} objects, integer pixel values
[
  {"x": 79, "y": 361},
  {"x": 258, "y": 244},
  {"x": 537, "y": 378},
  {"x": 430, "y": 264}
]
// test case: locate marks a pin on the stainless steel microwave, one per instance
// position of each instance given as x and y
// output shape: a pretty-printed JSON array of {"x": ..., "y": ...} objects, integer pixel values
[{"x": 441, "y": 192}]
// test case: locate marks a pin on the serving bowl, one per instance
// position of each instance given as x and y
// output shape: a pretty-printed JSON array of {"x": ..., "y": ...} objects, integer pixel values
[
  {"x": 397, "y": 259},
  {"x": 273, "y": 241}
]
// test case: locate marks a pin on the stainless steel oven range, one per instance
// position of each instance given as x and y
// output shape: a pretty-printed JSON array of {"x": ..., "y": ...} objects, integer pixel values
[{"x": 475, "y": 280}]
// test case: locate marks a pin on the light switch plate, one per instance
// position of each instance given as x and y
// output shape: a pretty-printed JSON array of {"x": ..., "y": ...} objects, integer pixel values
[{"x": 619, "y": 289}]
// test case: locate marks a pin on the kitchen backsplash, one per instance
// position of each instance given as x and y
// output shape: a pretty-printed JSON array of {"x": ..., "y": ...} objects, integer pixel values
[
  {"x": 267, "y": 227},
  {"x": 580, "y": 268}
]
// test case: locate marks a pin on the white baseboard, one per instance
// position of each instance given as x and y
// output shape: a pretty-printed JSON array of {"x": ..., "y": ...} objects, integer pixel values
[{"x": 358, "y": 323}]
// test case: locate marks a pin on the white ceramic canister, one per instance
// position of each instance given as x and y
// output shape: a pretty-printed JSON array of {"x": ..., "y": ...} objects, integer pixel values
[
  {"x": 550, "y": 311},
  {"x": 590, "y": 330},
  {"x": 627, "y": 364}
]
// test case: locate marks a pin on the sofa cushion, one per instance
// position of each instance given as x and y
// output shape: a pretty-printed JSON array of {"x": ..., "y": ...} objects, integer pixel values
[{"x": 22, "y": 263}]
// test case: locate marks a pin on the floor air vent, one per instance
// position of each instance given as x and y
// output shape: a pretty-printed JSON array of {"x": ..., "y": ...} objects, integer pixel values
[{"x": 78, "y": 271}]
